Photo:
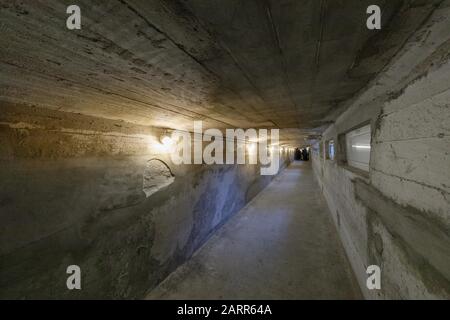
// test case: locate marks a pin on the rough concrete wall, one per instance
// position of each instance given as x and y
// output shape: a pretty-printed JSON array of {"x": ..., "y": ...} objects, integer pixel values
[
  {"x": 71, "y": 192},
  {"x": 398, "y": 215}
]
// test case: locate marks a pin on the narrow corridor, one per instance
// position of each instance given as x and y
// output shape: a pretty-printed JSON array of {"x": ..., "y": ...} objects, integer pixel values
[
  {"x": 282, "y": 245},
  {"x": 140, "y": 143}
]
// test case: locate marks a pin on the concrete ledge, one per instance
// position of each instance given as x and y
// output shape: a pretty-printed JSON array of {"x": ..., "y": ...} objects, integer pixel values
[{"x": 425, "y": 239}]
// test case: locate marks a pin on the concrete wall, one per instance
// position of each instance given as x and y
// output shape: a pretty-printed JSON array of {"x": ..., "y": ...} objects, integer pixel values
[
  {"x": 71, "y": 192},
  {"x": 397, "y": 216}
]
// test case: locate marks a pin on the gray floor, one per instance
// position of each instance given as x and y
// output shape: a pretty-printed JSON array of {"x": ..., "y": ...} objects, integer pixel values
[{"x": 282, "y": 245}]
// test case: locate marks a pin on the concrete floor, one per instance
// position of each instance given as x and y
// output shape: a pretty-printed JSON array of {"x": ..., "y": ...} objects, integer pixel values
[{"x": 282, "y": 245}]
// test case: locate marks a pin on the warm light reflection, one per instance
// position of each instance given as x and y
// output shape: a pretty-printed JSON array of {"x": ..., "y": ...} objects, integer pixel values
[
  {"x": 160, "y": 145},
  {"x": 251, "y": 148},
  {"x": 167, "y": 141}
]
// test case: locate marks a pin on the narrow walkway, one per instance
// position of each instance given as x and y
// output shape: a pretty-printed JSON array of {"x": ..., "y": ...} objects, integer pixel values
[{"x": 282, "y": 245}]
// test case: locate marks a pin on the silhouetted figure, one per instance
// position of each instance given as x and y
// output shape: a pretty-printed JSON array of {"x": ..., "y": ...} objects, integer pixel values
[
  {"x": 305, "y": 155},
  {"x": 297, "y": 154}
]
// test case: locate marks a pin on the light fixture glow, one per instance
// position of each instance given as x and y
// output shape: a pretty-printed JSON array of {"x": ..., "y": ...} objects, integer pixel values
[
  {"x": 167, "y": 141},
  {"x": 165, "y": 144},
  {"x": 357, "y": 146}
]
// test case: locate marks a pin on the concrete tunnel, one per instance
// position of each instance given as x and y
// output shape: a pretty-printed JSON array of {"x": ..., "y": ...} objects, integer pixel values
[{"x": 128, "y": 130}]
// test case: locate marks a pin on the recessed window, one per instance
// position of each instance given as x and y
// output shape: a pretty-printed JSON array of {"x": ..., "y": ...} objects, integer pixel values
[
  {"x": 321, "y": 146},
  {"x": 357, "y": 147},
  {"x": 330, "y": 153}
]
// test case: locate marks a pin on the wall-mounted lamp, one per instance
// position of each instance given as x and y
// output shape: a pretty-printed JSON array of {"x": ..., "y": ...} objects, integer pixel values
[{"x": 166, "y": 142}]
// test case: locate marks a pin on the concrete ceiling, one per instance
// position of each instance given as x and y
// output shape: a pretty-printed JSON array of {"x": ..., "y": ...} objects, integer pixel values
[{"x": 231, "y": 63}]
